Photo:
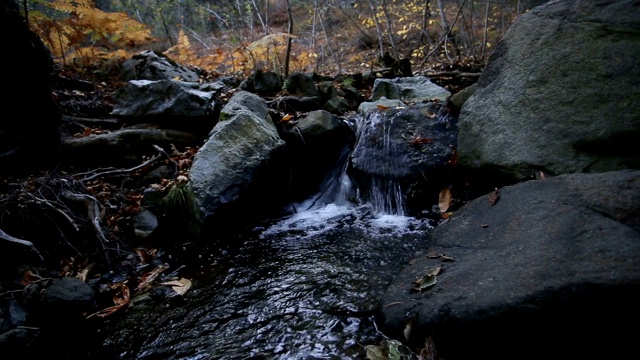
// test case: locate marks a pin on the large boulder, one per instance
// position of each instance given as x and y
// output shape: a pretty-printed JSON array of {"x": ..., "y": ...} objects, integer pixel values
[
  {"x": 230, "y": 163},
  {"x": 559, "y": 93},
  {"x": 542, "y": 269}
]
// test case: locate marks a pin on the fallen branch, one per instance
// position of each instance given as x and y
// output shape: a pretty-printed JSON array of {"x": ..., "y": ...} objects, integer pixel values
[
  {"x": 7, "y": 237},
  {"x": 162, "y": 154},
  {"x": 93, "y": 212}
]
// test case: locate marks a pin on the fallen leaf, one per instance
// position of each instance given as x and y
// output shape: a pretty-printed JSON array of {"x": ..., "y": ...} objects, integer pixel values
[
  {"x": 443, "y": 257},
  {"x": 375, "y": 352},
  {"x": 446, "y": 215},
  {"x": 382, "y": 107},
  {"x": 180, "y": 286},
  {"x": 493, "y": 197},
  {"x": 444, "y": 200},
  {"x": 427, "y": 280},
  {"x": 147, "y": 278},
  {"x": 407, "y": 329},
  {"x": 121, "y": 299},
  {"x": 28, "y": 277},
  {"x": 287, "y": 117}
]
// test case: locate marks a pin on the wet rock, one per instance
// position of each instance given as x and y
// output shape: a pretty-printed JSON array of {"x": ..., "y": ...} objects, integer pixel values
[
  {"x": 408, "y": 89},
  {"x": 550, "y": 258}
]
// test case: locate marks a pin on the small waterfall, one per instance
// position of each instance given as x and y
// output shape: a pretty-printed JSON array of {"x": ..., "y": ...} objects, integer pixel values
[
  {"x": 379, "y": 158},
  {"x": 383, "y": 191}
]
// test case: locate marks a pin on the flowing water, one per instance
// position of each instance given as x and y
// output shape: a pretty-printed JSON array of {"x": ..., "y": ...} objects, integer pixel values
[{"x": 301, "y": 287}]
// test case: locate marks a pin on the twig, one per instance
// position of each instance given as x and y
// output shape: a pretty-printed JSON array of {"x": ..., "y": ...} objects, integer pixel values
[
  {"x": 453, "y": 73},
  {"x": 7, "y": 237}
]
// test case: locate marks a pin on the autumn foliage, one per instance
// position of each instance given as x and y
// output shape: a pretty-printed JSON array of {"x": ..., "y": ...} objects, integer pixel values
[{"x": 237, "y": 37}]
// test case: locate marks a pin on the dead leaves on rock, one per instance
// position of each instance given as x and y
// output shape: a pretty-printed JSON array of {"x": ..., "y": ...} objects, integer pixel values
[{"x": 426, "y": 281}]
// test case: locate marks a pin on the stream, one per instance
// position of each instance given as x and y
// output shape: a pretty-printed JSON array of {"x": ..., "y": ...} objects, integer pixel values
[{"x": 305, "y": 286}]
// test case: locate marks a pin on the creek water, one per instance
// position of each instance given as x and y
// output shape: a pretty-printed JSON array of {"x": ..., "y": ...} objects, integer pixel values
[{"x": 305, "y": 286}]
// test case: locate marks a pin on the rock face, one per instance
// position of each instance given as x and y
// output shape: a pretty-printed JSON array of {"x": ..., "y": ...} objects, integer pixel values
[
  {"x": 549, "y": 258},
  {"x": 559, "y": 93}
]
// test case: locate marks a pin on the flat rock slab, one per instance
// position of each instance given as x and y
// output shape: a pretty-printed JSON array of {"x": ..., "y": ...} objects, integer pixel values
[{"x": 550, "y": 269}]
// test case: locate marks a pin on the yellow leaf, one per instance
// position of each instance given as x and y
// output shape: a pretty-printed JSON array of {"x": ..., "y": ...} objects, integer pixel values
[{"x": 287, "y": 117}]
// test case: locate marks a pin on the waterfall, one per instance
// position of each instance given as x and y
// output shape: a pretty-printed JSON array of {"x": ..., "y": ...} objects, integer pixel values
[{"x": 378, "y": 160}]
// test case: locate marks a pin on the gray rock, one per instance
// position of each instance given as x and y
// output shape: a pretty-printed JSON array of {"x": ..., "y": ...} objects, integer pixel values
[
  {"x": 139, "y": 98},
  {"x": 408, "y": 89},
  {"x": 367, "y": 107},
  {"x": 300, "y": 84},
  {"x": 318, "y": 122},
  {"x": 551, "y": 258},
  {"x": 237, "y": 149},
  {"x": 68, "y": 294},
  {"x": 145, "y": 223},
  {"x": 559, "y": 93},
  {"x": 150, "y": 65}
]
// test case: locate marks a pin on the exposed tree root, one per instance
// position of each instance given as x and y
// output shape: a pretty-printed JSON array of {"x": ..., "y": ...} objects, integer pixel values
[{"x": 29, "y": 244}]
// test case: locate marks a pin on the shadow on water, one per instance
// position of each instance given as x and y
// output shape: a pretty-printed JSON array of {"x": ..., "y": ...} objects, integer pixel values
[{"x": 302, "y": 287}]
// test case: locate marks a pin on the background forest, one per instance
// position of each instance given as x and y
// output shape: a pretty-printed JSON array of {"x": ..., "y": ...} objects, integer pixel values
[{"x": 235, "y": 37}]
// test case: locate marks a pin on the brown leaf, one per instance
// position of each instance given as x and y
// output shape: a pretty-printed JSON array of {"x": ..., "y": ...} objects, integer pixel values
[
  {"x": 28, "y": 277},
  {"x": 287, "y": 117},
  {"x": 493, "y": 197},
  {"x": 382, "y": 107},
  {"x": 120, "y": 299},
  {"x": 147, "y": 278},
  {"x": 444, "y": 200}
]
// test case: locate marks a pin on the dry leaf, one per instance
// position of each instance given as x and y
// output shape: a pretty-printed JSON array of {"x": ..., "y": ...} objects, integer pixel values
[
  {"x": 375, "y": 352},
  {"x": 445, "y": 258},
  {"x": 287, "y": 117},
  {"x": 28, "y": 277},
  {"x": 121, "y": 299},
  {"x": 444, "y": 200},
  {"x": 493, "y": 197},
  {"x": 382, "y": 107},
  {"x": 426, "y": 281},
  {"x": 180, "y": 286},
  {"x": 147, "y": 278},
  {"x": 442, "y": 257}
]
